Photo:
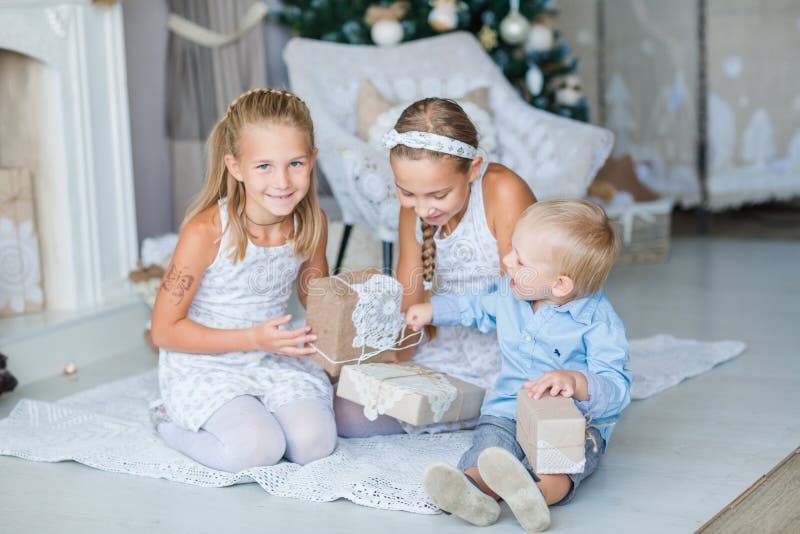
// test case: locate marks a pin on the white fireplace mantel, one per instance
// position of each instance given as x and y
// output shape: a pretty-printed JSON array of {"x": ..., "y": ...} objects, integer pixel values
[{"x": 84, "y": 200}]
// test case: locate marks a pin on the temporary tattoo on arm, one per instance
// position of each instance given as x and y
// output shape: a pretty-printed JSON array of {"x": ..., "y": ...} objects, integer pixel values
[{"x": 177, "y": 283}]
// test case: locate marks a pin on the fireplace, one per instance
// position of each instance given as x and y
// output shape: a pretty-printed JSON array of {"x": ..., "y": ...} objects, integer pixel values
[{"x": 64, "y": 116}]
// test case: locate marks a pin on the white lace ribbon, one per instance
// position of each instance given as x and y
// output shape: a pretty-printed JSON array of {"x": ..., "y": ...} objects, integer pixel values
[
  {"x": 429, "y": 141},
  {"x": 377, "y": 318},
  {"x": 380, "y": 386}
]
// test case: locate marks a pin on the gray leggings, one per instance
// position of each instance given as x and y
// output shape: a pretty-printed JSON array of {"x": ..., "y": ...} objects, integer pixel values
[{"x": 243, "y": 433}]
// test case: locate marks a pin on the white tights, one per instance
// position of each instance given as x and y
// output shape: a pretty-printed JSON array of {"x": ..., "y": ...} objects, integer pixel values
[
  {"x": 243, "y": 433},
  {"x": 351, "y": 422}
]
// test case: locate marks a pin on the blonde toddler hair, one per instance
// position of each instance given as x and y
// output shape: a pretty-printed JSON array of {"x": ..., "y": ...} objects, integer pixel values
[{"x": 583, "y": 240}]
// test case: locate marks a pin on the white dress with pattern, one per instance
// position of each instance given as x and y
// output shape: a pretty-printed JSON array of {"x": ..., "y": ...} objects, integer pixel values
[
  {"x": 239, "y": 295},
  {"x": 466, "y": 262}
]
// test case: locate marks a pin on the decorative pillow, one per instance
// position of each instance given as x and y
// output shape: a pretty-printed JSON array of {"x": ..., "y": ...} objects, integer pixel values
[{"x": 377, "y": 115}]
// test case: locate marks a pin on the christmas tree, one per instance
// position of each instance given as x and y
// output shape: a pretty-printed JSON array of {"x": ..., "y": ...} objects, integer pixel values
[{"x": 519, "y": 35}]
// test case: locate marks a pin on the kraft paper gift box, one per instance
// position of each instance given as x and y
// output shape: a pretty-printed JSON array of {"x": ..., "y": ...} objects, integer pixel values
[
  {"x": 20, "y": 268},
  {"x": 330, "y": 306},
  {"x": 552, "y": 432},
  {"x": 410, "y": 393}
]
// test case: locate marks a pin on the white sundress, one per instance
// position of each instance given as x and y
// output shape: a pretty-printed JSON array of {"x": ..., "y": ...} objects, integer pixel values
[
  {"x": 239, "y": 295},
  {"x": 466, "y": 262}
]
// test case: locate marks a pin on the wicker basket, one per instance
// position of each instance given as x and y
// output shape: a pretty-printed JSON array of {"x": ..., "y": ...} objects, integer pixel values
[{"x": 643, "y": 229}]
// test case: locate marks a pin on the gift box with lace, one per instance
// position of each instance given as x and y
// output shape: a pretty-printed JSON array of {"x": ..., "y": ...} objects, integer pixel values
[
  {"x": 410, "y": 393},
  {"x": 356, "y": 317},
  {"x": 641, "y": 219},
  {"x": 20, "y": 267},
  {"x": 552, "y": 432}
]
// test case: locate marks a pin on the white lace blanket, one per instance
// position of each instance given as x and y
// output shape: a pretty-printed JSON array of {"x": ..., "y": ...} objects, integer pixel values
[{"x": 107, "y": 428}]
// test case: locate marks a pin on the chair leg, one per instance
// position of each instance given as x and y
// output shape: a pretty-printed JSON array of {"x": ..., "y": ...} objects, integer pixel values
[
  {"x": 387, "y": 257},
  {"x": 342, "y": 248}
]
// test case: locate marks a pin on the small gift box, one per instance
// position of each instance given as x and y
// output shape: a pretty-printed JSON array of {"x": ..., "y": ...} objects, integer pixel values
[
  {"x": 20, "y": 267},
  {"x": 410, "y": 393},
  {"x": 355, "y": 316},
  {"x": 552, "y": 432}
]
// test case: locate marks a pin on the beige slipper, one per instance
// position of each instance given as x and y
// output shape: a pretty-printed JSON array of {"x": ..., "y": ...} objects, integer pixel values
[
  {"x": 507, "y": 477},
  {"x": 451, "y": 490}
]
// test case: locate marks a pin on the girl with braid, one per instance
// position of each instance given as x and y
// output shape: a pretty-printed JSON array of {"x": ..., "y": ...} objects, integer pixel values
[
  {"x": 457, "y": 215},
  {"x": 237, "y": 389}
]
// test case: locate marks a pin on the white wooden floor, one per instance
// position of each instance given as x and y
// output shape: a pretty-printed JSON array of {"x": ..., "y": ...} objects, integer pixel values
[{"x": 673, "y": 462}]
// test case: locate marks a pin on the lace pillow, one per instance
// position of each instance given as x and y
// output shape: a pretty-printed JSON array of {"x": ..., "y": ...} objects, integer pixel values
[{"x": 377, "y": 115}]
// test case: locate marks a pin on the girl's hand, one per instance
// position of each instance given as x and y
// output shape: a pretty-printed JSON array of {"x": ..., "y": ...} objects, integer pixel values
[
  {"x": 419, "y": 315},
  {"x": 269, "y": 337},
  {"x": 564, "y": 383}
]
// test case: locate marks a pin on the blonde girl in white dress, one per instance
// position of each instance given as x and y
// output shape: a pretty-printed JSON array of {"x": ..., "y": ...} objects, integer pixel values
[
  {"x": 238, "y": 389},
  {"x": 456, "y": 218}
]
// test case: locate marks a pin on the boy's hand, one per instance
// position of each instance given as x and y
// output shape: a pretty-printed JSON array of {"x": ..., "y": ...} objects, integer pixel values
[
  {"x": 570, "y": 384},
  {"x": 419, "y": 315}
]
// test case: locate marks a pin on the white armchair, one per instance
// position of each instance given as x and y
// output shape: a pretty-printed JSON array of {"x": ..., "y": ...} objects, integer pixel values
[{"x": 557, "y": 157}]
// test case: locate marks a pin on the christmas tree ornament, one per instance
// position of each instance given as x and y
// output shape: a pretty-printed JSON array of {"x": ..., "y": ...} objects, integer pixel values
[
  {"x": 534, "y": 79},
  {"x": 514, "y": 27},
  {"x": 568, "y": 90},
  {"x": 444, "y": 15},
  {"x": 539, "y": 39},
  {"x": 522, "y": 38},
  {"x": 488, "y": 37},
  {"x": 386, "y": 32},
  {"x": 384, "y": 22}
]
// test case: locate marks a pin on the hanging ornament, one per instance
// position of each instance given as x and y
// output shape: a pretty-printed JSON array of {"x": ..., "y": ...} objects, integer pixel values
[
  {"x": 444, "y": 15},
  {"x": 534, "y": 79},
  {"x": 514, "y": 27},
  {"x": 539, "y": 39},
  {"x": 386, "y": 32},
  {"x": 488, "y": 37},
  {"x": 384, "y": 22},
  {"x": 568, "y": 90}
]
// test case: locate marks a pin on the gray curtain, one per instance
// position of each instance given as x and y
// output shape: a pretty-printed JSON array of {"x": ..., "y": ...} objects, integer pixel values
[{"x": 201, "y": 82}]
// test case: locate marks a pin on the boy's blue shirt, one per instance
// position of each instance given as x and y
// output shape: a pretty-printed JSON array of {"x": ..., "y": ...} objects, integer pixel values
[{"x": 583, "y": 335}]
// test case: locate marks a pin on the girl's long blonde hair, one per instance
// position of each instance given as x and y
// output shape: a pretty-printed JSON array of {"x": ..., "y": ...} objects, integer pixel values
[{"x": 257, "y": 106}]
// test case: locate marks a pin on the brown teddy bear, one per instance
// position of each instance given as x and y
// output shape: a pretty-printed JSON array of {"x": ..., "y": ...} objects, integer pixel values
[{"x": 7, "y": 380}]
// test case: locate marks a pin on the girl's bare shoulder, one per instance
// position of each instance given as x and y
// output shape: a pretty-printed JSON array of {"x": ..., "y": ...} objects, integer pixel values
[
  {"x": 502, "y": 186},
  {"x": 200, "y": 236}
]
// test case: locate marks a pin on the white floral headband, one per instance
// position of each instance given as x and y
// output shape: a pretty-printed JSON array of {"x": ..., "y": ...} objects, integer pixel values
[{"x": 429, "y": 141}]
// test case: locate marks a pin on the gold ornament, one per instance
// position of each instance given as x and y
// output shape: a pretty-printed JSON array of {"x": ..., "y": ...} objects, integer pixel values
[
  {"x": 514, "y": 28},
  {"x": 444, "y": 15},
  {"x": 394, "y": 12},
  {"x": 488, "y": 37}
]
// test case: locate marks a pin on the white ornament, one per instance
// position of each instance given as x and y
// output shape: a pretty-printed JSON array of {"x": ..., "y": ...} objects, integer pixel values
[
  {"x": 443, "y": 17},
  {"x": 539, "y": 39},
  {"x": 568, "y": 90},
  {"x": 732, "y": 67},
  {"x": 796, "y": 104},
  {"x": 620, "y": 117},
  {"x": 585, "y": 36},
  {"x": 534, "y": 79},
  {"x": 514, "y": 28},
  {"x": 793, "y": 154},
  {"x": 721, "y": 133},
  {"x": 758, "y": 141},
  {"x": 386, "y": 32}
]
